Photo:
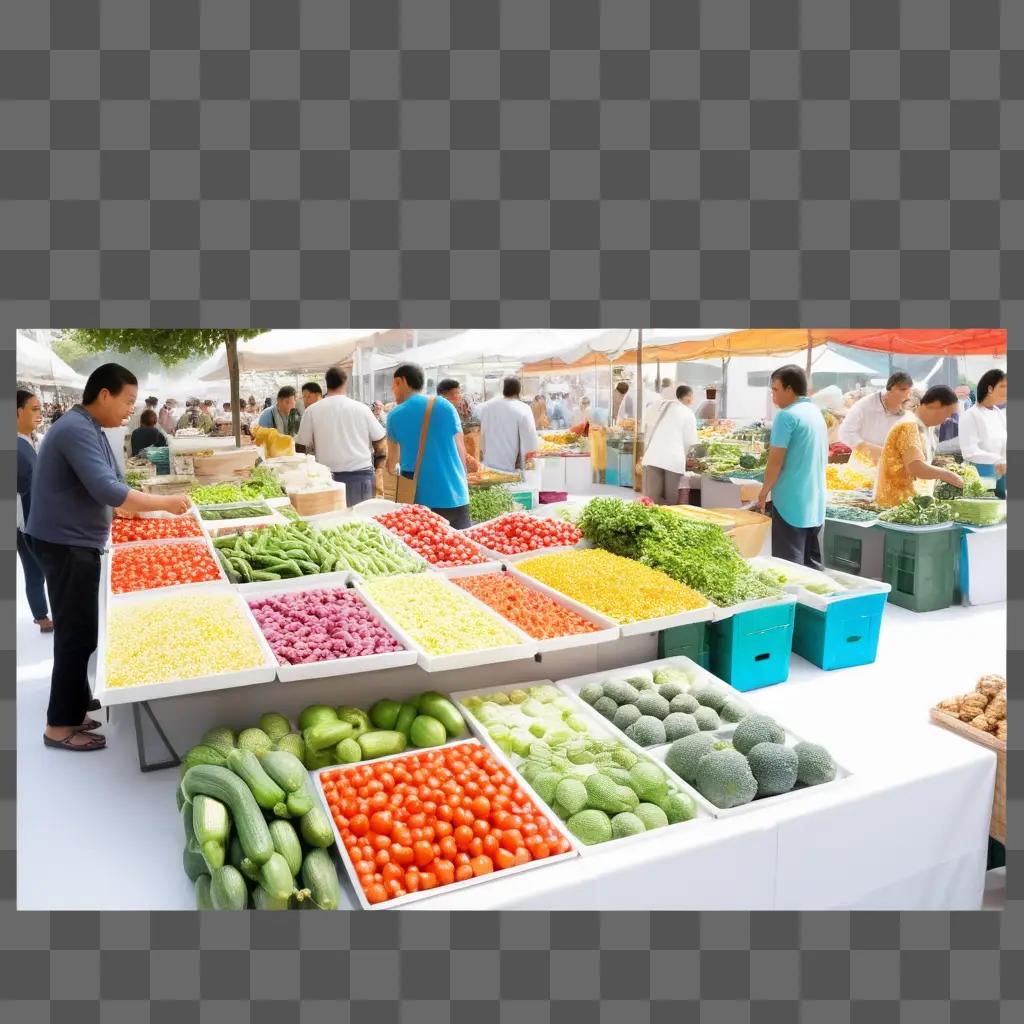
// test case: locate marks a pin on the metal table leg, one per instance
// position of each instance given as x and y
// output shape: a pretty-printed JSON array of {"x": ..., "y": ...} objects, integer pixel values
[{"x": 145, "y": 765}]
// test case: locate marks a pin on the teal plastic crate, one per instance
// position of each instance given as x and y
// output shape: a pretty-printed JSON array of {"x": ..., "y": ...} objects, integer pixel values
[
  {"x": 921, "y": 567},
  {"x": 842, "y": 635},
  {"x": 752, "y": 648},
  {"x": 690, "y": 641},
  {"x": 524, "y": 499}
]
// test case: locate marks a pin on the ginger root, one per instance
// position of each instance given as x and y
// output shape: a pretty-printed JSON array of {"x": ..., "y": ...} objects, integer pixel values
[
  {"x": 1001, "y": 729},
  {"x": 991, "y": 686}
]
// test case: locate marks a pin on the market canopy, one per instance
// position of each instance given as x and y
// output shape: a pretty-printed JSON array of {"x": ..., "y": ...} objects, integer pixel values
[
  {"x": 616, "y": 347},
  {"x": 36, "y": 364},
  {"x": 286, "y": 350},
  {"x": 924, "y": 342}
]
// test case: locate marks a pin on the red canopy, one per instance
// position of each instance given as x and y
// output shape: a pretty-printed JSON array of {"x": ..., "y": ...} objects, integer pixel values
[{"x": 975, "y": 341}]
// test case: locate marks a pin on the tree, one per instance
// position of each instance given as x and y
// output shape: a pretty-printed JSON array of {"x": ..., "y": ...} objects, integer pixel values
[{"x": 171, "y": 347}]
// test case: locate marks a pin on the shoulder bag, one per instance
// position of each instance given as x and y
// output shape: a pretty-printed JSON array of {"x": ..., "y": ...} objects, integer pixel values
[{"x": 405, "y": 489}]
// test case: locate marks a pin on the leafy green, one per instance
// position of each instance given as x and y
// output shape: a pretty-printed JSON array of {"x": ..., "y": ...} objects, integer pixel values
[
  {"x": 973, "y": 485},
  {"x": 918, "y": 511},
  {"x": 979, "y": 511},
  {"x": 486, "y": 503}
]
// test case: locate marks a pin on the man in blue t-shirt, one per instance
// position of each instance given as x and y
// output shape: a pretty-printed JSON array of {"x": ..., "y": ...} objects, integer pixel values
[
  {"x": 442, "y": 485},
  {"x": 795, "y": 474}
]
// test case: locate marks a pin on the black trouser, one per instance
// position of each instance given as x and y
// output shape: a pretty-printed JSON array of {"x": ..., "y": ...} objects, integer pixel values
[
  {"x": 358, "y": 485},
  {"x": 797, "y": 544},
  {"x": 35, "y": 589},
  {"x": 73, "y": 581},
  {"x": 457, "y": 517}
]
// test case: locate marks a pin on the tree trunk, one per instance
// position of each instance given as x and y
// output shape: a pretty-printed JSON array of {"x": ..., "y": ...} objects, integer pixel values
[{"x": 231, "y": 351}]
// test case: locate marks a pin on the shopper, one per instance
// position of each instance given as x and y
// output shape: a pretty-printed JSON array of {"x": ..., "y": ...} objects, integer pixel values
[
  {"x": 441, "y": 484},
  {"x": 194, "y": 418},
  {"x": 507, "y": 431},
  {"x": 311, "y": 394},
  {"x": 345, "y": 435},
  {"x": 30, "y": 416},
  {"x": 709, "y": 407},
  {"x": 147, "y": 435},
  {"x": 283, "y": 415},
  {"x": 905, "y": 465},
  {"x": 983, "y": 430},
  {"x": 136, "y": 418},
  {"x": 795, "y": 474},
  {"x": 671, "y": 430},
  {"x": 869, "y": 420},
  {"x": 684, "y": 394},
  {"x": 168, "y": 418},
  {"x": 76, "y": 484},
  {"x": 539, "y": 408},
  {"x": 622, "y": 402}
]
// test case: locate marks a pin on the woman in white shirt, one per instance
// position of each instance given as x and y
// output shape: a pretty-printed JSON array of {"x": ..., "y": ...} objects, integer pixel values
[{"x": 983, "y": 430}]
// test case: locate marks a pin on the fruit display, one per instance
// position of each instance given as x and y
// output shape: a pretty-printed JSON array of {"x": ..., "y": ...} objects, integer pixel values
[
  {"x": 487, "y": 503},
  {"x": 430, "y": 536},
  {"x": 978, "y": 511},
  {"x": 973, "y": 487},
  {"x": 175, "y": 636},
  {"x": 518, "y": 532},
  {"x": 921, "y": 510},
  {"x": 596, "y": 785},
  {"x": 623, "y": 590},
  {"x": 699, "y": 555},
  {"x": 984, "y": 708},
  {"x": 660, "y": 706},
  {"x": 754, "y": 763},
  {"x": 124, "y": 530},
  {"x": 250, "y": 511},
  {"x": 305, "y": 626},
  {"x": 536, "y": 614},
  {"x": 438, "y": 617},
  {"x": 435, "y": 818},
  {"x": 150, "y": 566},
  {"x": 846, "y": 478},
  {"x": 296, "y": 549}
]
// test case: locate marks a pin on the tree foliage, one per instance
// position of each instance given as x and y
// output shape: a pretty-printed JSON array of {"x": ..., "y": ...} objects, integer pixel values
[{"x": 170, "y": 346}]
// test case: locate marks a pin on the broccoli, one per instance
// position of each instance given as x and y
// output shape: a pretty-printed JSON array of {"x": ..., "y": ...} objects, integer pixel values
[
  {"x": 571, "y": 794},
  {"x": 756, "y": 729},
  {"x": 815, "y": 764},
  {"x": 591, "y": 693},
  {"x": 733, "y": 711},
  {"x": 678, "y": 807},
  {"x": 725, "y": 778},
  {"x": 606, "y": 706},
  {"x": 647, "y": 731},
  {"x": 684, "y": 755},
  {"x": 590, "y": 826},
  {"x": 625, "y": 823},
  {"x": 625, "y": 716},
  {"x": 652, "y": 703},
  {"x": 678, "y": 724},
  {"x": 648, "y": 781},
  {"x": 706, "y": 719},
  {"x": 651, "y": 815},
  {"x": 684, "y": 702},
  {"x": 774, "y": 765},
  {"x": 620, "y": 691}
]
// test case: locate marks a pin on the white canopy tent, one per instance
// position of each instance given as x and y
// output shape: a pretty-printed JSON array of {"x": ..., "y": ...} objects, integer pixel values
[
  {"x": 286, "y": 350},
  {"x": 36, "y": 364}
]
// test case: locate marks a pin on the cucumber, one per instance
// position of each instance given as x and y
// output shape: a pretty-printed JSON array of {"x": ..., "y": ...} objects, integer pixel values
[
  {"x": 269, "y": 795},
  {"x": 262, "y": 900},
  {"x": 381, "y": 743},
  {"x": 238, "y": 859},
  {"x": 319, "y": 876},
  {"x": 316, "y": 713},
  {"x": 194, "y": 862},
  {"x": 286, "y": 843},
  {"x": 179, "y": 797},
  {"x": 211, "y": 824},
  {"x": 299, "y": 803},
  {"x": 316, "y": 828},
  {"x": 222, "y": 784},
  {"x": 326, "y": 734},
  {"x": 317, "y": 759},
  {"x": 186, "y": 820},
  {"x": 204, "y": 900},
  {"x": 285, "y": 769},
  {"x": 406, "y": 716},
  {"x": 276, "y": 877},
  {"x": 438, "y": 706},
  {"x": 228, "y": 889}
]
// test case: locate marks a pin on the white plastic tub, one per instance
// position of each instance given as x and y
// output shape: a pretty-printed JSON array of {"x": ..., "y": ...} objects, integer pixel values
[
  {"x": 851, "y": 586},
  {"x": 108, "y": 565}
]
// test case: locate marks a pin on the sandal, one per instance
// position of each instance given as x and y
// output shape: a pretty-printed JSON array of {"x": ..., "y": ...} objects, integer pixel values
[
  {"x": 45, "y": 624},
  {"x": 88, "y": 725},
  {"x": 94, "y": 742}
]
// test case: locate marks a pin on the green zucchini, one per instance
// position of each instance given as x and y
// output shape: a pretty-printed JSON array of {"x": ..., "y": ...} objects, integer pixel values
[
  {"x": 277, "y": 878},
  {"x": 320, "y": 878},
  {"x": 179, "y": 797},
  {"x": 228, "y": 889},
  {"x": 438, "y": 706},
  {"x": 211, "y": 824},
  {"x": 316, "y": 828},
  {"x": 194, "y": 862},
  {"x": 326, "y": 734},
  {"x": 269, "y": 795},
  {"x": 262, "y": 900},
  {"x": 222, "y": 784},
  {"x": 285, "y": 769},
  {"x": 299, "y": 803},
  {"x": 382, "y": 743},
  {"x": 286, "y": 843},
  {"x": 186, "y": 820},
  {"x": 238, "y": 859},
  {"x": 204, "y": 899}
]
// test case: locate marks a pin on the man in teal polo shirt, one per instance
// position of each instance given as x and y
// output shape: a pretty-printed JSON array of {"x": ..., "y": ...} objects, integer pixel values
[{"x": 795, "y": 474}]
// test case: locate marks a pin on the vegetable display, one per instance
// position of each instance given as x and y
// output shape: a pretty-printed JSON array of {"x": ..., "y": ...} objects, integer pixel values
[
  {"x": 973, "y": 487},
  {"x": 731, "y": 459},
  {"x": 161, "y": 565},
  {"x": 253, "y": 511},
  {"x": 486, "y": 503},
  {"x": 438, "y": 817},
  {"x": 261, "y": 483},
  {"x": 134, "y": 478},
  {"x": 653, "y": 708},
  {"x": 597, "y": 786},
  {"x": 305, "y": 626},
  {"x": 535, "y": 613},
  {"x": 124, "y": 530},
  {"x": 370, "y": 550},
  {"x": 846, "y": 478},
  {"x": 921, "y": 510},
  {"x": 984, "y": 708},
  {"x": 430, "y": 536},
  {"x": 438, "y": 617},
  {"x": 621, "y": 589},
  {"x": 699, "y": 555},
  {"x": 850, "y": 513},
  {"x": 177, "y": 637},
  {"x": 978, "y": 511},
  {"x": 518, "y": 532}
]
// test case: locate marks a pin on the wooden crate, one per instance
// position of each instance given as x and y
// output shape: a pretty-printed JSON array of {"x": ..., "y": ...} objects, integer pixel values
[
  {"x": 997, "y": 828},
  {"x": 315, "y": 503}
]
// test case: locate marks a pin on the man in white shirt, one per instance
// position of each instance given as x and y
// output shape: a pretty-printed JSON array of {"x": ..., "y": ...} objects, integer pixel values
[
  {"x": 870, "y": 418},
  {"x": 347, "y": 438},
  {"x": 507, "y": 431},
  {"x": 622, "y": 402},
  {"x": 671, "y": 431}
]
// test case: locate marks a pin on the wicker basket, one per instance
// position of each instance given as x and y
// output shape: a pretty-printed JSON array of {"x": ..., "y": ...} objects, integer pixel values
[
  {"x": 315, "y": 503},
  {"x": 997, "y": 827}
]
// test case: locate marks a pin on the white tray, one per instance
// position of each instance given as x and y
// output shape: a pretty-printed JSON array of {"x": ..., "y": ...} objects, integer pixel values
[
  {"x": 607, "y": 631},
  {"x": 863, "y": 523},
  {"x": 499, "y": 557},
  {"x": 933, "y": 528},
  {"x": 527, "y": 647},
  {"x": 856, "y": 586},
  {"x": 413, "y": 897},
  {"x": 264, "y": 673},
  {"x": 683, "y": 618},
  {"x": 599, "y": 727},
  {"x": 342, "y": 520},
  {"x": 720, "y": 614},
  {"x": 191, "y": 511},
  {"x": 491, "y": 560},
  {"x": 215, "y": 526},
  {"x": 334, "y": 666},
  {"x": 108, "y": 559}
]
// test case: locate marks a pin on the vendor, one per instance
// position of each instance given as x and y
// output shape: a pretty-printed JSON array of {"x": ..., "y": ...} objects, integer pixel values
[
  {"x": 867, "y": 424},
  {"x": 905, "y": 466},
  {"x": 75, "y": 485},
  {"x": 283, "y": 415},
  {"x": 983, "y": 430}
]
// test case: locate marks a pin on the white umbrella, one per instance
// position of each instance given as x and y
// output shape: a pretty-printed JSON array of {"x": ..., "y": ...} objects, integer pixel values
[{"x": 36, "y": 364}]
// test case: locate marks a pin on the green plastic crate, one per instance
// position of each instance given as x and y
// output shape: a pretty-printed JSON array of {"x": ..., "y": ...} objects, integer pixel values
[
  {"x": 690, "y": 641},
  {"x": 524, "y": 499},
  {"x": 853, "y": 549},
  {"x": 921, "y": 567}
]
